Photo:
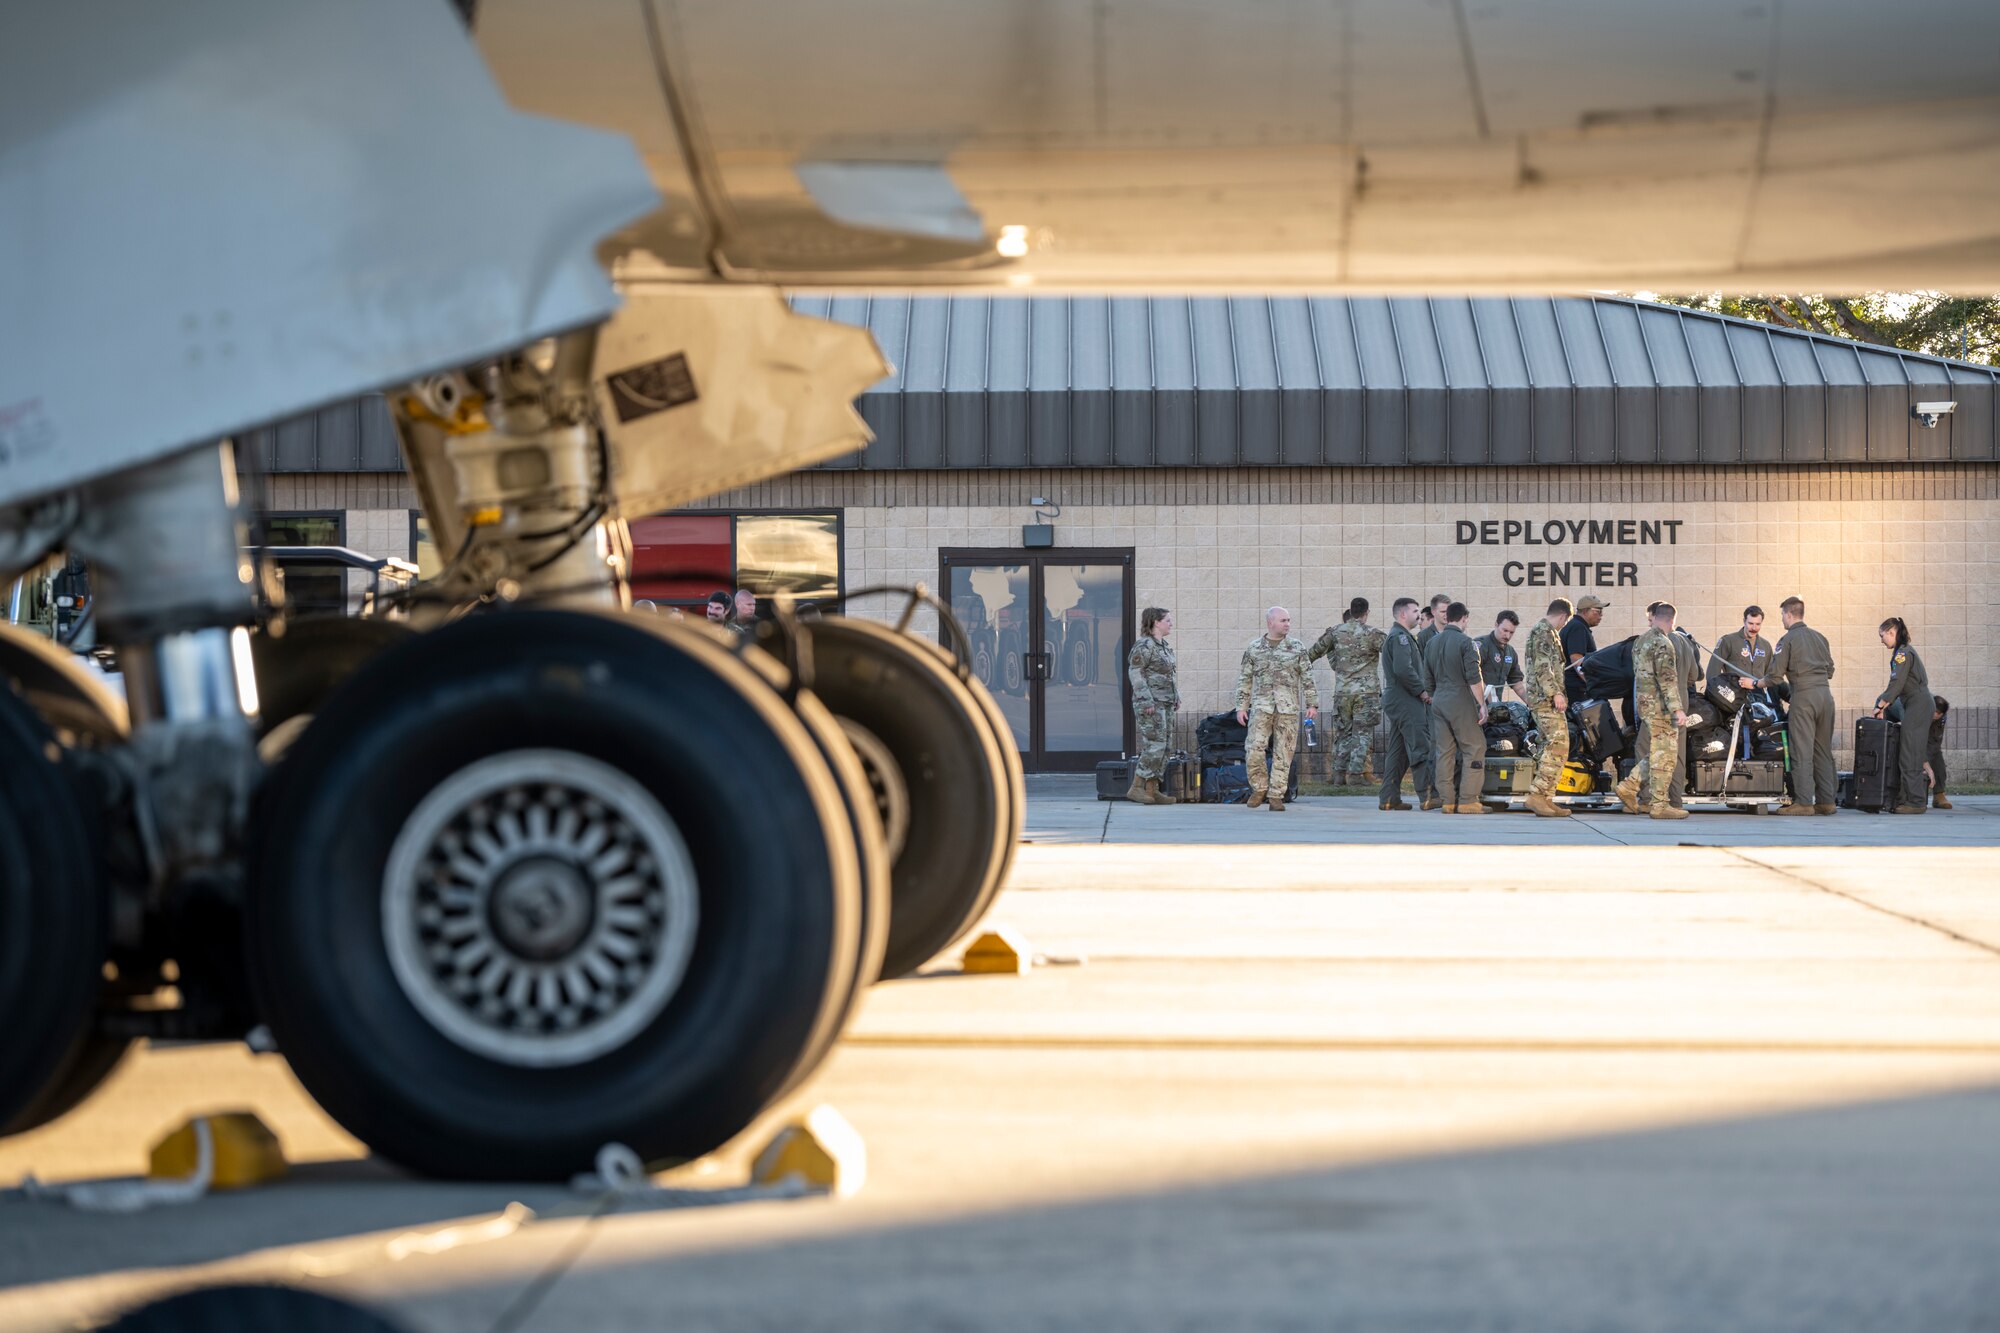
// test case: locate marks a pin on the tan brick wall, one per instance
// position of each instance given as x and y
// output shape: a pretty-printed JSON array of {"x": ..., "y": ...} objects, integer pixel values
[{"x": 1218, "y": 547}]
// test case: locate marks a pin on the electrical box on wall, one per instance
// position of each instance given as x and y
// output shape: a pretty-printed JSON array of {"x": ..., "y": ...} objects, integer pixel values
[{"x": 1038, "y": 534}]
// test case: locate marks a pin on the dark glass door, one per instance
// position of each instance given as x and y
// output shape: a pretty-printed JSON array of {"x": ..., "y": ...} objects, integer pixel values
[{"x": 1050, "y": 631}]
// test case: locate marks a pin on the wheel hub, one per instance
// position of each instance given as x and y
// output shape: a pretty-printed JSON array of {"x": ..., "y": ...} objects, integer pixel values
[
  {"x": 542, "y": 907},
  {"x": 539, "y": 908}
]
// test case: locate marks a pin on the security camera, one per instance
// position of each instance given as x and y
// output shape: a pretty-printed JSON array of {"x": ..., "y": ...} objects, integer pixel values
[{"x": 1928, "y": 413}]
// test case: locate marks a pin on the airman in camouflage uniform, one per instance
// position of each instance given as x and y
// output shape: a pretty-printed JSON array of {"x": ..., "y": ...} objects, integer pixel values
[
  {"x": 1656, "y": 665},
  {"x": 1155, "y": 697},
  {"x": 1355, "y": 648},
  {"x": 1274, "y": 686},
  {"x": 1546, "y": 700}
]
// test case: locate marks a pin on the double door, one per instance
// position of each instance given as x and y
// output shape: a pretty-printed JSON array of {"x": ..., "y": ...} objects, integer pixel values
[{"x": 1050, "y": 631}]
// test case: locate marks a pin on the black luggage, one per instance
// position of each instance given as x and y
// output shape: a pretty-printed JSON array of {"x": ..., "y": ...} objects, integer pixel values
[
  {"x": 1220, "y": 729},
  {"x": 1709, "y": 743},
  {"x": 1594, "y": 735},
  {"x": 1608, "y": 672},
  {"x": 1179, "y": 779},
  {"x": 1878, "y": 773},
  {"x": 1726, "y": 695},
  {"x": 1225, "y": 784},
  {"x": 1747, "y": 777},
  {"x": 1505, "y": 737},
  {"x": 1114, "y": 779},
  {"x": 1846, "y": 789},
  {"x": 1700, "y": 712}
]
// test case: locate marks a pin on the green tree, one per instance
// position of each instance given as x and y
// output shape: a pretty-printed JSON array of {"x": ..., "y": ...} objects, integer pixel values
[{"x": 1964, "y": 327}]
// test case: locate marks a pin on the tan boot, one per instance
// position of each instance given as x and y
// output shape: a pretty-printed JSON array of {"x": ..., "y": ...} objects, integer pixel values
[
  {"x": 1277, "y": 802},
  {"x": 1665, "y": 811},
  {"x": 1136, "y": 793},
  {"x": 1368, "y": 777},
  {"x": 1795, "y": 808},
  {"x": 1256, "y": 798},
  {"x": 1628, "y": 794},
  {"x": 1940, "y": 801},
  {"x": 1470, "y": 808},
  {"x": 1154, "y": 795},
  {"x": 1433, "y": 803},
  {"x": 1542, "y": 806}
]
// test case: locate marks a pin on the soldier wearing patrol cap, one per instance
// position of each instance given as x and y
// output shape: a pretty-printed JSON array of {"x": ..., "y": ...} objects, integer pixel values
[{"x": 1578, "y": 641}]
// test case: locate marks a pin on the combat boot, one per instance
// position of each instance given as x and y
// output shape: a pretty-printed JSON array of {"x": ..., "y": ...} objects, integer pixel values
[
  {"x": 1256, "y": 798},
  {"x": 1544, "y": 807},
  {"x": 1137, "y": 794},
  {"x": 1665, "y": 811},
  {"x": 1469, "y": 808},
  {"x": 1154, "y": 795},
  {"x": 1628, "y": 794},
  {"x": 1940, "y": 802},
  {"x": 1368, "y": 778},
  {"x": 1828, "y": 808},
  {"x": 1277, "y": 802},
  {"x": 1795, "y": 808},
  {"x": 1397, "y": 804},
  {"x": 1433, "y": 803},
  {"x": 1909, "y": 810}
]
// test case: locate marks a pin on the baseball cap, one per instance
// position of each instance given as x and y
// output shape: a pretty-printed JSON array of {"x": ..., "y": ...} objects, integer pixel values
[{"x": 1589, "y": 603}]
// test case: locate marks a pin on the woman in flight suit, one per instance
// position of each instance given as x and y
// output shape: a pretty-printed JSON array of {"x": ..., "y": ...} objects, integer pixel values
[{"x": 1909, "y": 686}]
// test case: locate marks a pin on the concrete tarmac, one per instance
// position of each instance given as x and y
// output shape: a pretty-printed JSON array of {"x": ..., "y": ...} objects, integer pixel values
[{"x": 1532, "y": 1083}]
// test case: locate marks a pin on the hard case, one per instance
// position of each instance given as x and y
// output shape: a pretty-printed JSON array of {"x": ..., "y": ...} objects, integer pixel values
[
  {"x": 1877, "y": 762},
  {"x": 1748, "y": 777},
  {"x": 1114, "y": 779}
]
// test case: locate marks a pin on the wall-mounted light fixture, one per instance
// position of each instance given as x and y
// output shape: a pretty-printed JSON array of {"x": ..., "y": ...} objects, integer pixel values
[{"x": 1040, "y": 532}]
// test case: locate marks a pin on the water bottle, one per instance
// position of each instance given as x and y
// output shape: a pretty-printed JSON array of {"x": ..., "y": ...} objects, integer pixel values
[{"x": 1312, "y": 735}]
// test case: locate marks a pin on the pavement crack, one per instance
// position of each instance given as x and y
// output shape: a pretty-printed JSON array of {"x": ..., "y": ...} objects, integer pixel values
[
  {"x": 1104, "y": 834},
  {"x": 1857, "y": 899},
  {"x": 1591, "y": 824}
]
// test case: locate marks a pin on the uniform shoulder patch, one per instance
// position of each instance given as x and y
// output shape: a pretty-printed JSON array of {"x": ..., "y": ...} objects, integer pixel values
[{"x": 1902, "y": 658}]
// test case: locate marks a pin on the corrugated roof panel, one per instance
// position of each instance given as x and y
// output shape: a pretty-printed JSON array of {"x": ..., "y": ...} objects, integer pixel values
[
  {"x": 1719, "y": 400},
  {"x": 1092, "y": 428},
  {"x": 1846, "y": 405},
  {"x": 1003, "y": 381},
  {"x": 1975, "y": 425},
  {"x": 1805, "y": 399},
  {"x": 1552, "y": 391},
  {"x": 1468, "y": 407},
  {"x": 1219, "y": 379},
  {"x": 1259, "y": 409},
  {"x": 1677, "y": 411},
  {"x": 1174, "y": 442}
]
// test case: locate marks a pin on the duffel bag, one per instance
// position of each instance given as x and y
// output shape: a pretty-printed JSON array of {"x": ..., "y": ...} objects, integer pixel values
[
  {"x": 1220, "y": 729},
  {"x": 1225, "y": 784}
]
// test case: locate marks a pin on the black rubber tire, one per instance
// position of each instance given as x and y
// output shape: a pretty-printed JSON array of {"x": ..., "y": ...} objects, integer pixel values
[
  {"x": 52, "y": 926},
  {"x": 872, "y": 858},
  {"x": 1010, "y": 817},
  {"x": 245, "y": 1309},
  {"x": 300, "y": 669},
  {"x": 777, "y": 881},
  {"x": 903, "y": 690}
]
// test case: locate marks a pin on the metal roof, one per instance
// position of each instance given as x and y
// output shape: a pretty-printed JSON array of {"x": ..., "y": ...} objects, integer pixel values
[{"x": 994, "y": 382}]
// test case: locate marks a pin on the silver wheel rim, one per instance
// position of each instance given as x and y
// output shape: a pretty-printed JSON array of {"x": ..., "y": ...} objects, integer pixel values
[{"x": 539, "y": 908}]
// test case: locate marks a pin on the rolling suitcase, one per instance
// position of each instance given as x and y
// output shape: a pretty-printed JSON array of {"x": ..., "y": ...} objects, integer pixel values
[
  {"x": 1114, "y": 779},
  {"x": 1178, "y": 780},
  {"x": 1877, "y": 767}
]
